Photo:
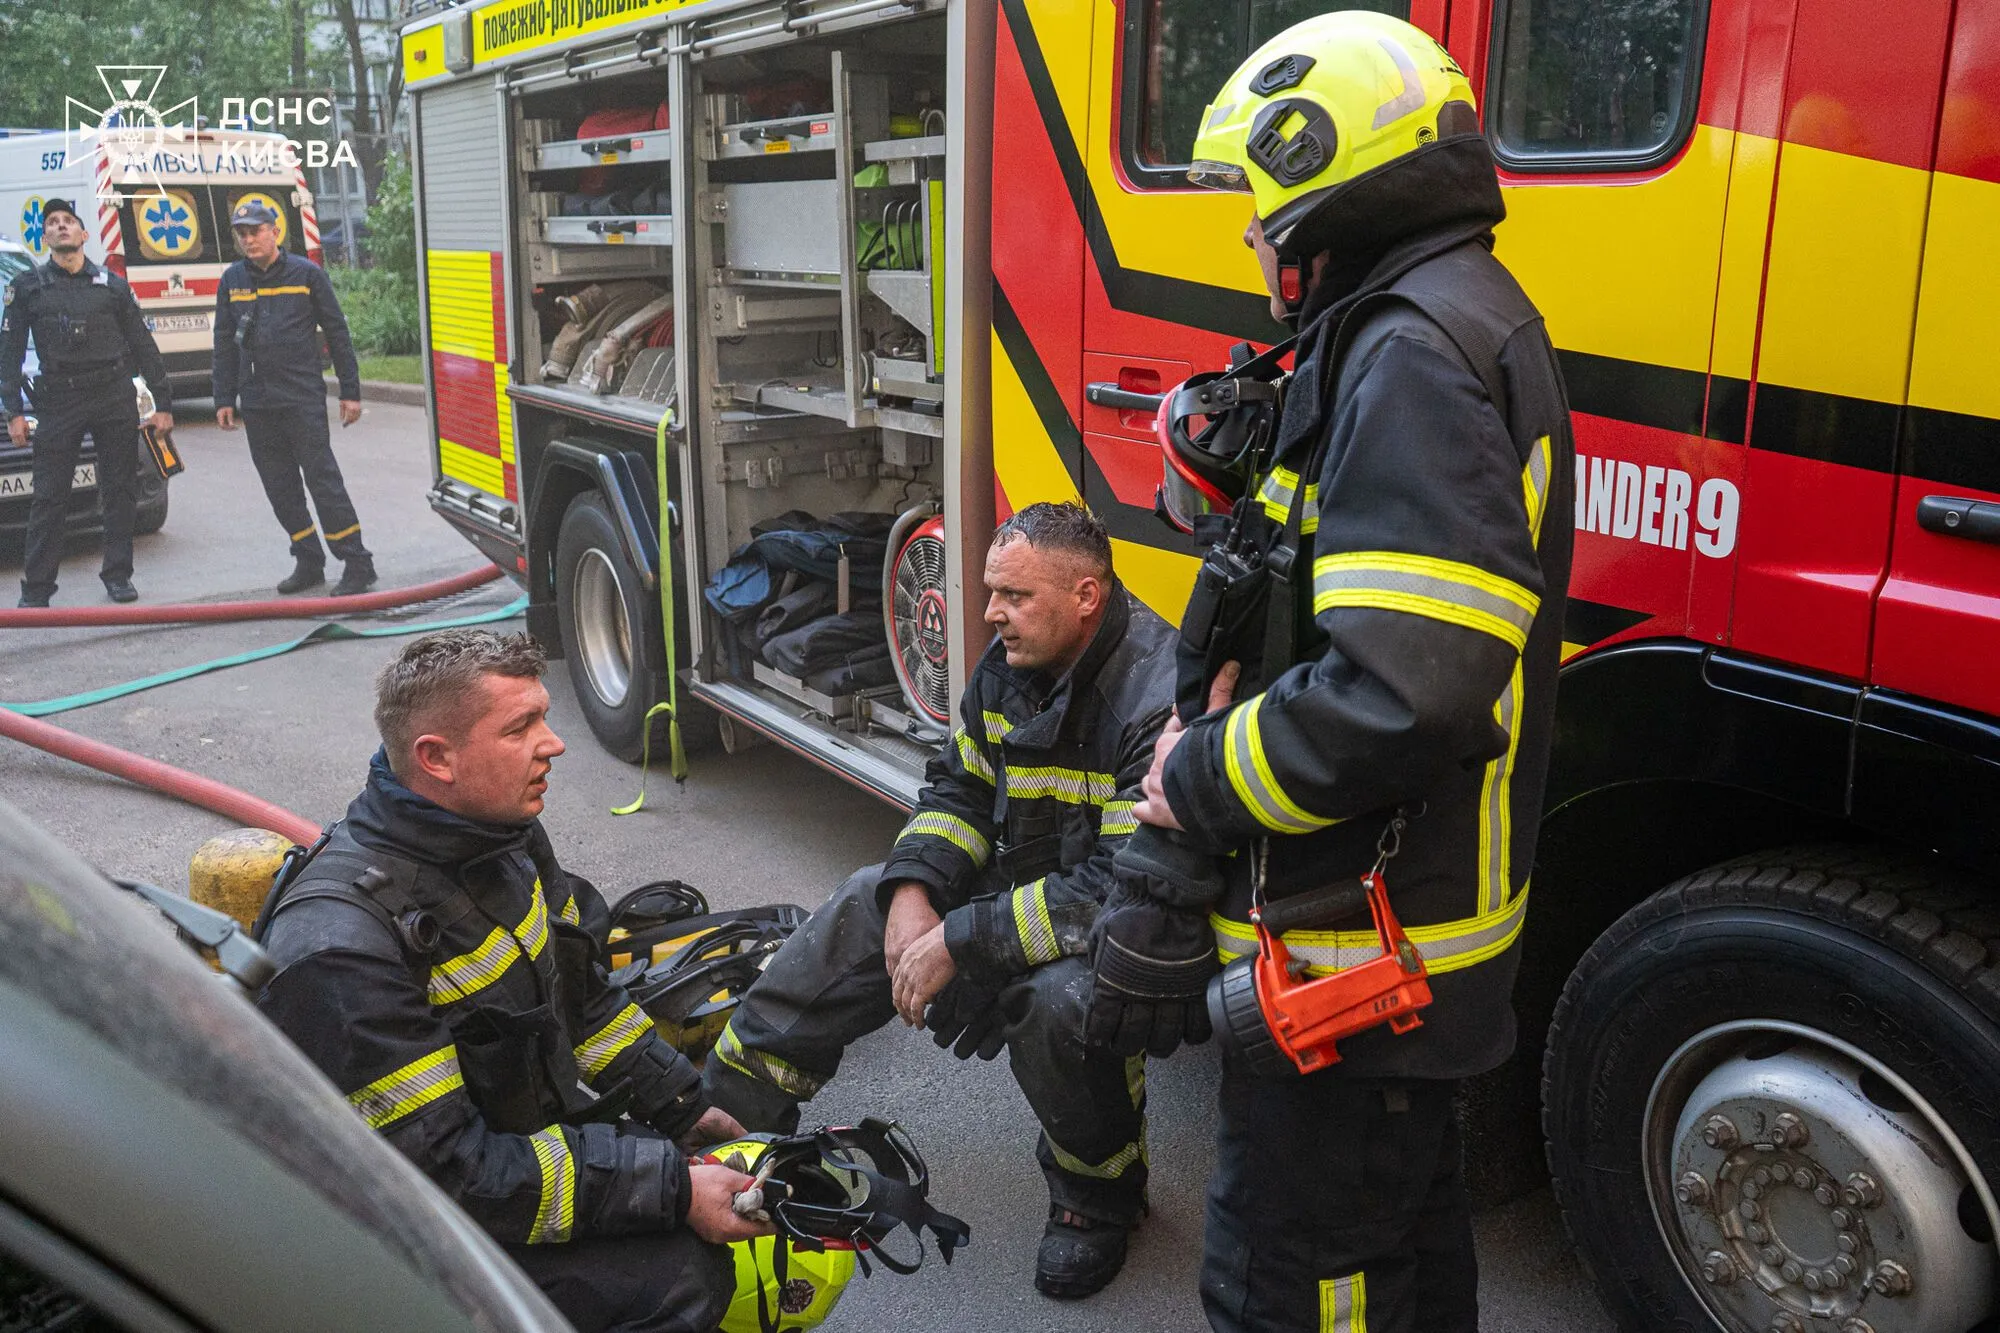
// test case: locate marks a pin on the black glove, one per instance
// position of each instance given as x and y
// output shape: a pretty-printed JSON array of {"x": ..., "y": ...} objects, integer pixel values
[
  {"x": 965, "y": 1018},
  {"x": 1152, "y": 949}
]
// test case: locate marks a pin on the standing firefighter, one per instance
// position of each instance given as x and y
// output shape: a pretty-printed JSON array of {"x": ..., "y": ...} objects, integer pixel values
[
  {"x": 89, "y": 338},
  {"x": 1388, "y": 556},
  {"x": 270, "y": 308}
]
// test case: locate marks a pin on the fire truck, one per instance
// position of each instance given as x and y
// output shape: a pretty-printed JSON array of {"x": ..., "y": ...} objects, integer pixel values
[{"x": 873, "y": 273}]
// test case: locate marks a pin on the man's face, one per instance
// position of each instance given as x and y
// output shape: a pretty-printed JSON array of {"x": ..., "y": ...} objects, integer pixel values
[
  {"x": 258, "y": 241},
  {"x": 63, "y": 232},
  {"x": 1040, "y": 603},
  {"x": 500, "y": 766}
]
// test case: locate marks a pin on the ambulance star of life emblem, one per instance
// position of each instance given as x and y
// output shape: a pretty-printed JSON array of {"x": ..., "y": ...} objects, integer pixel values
[{"x": 129, "y": 135}]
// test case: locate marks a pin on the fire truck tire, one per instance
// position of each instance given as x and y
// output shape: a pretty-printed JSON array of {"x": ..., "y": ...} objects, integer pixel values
[
  {"x": 599, "y": 601},
  {"x": 1772, "y": 1099}
]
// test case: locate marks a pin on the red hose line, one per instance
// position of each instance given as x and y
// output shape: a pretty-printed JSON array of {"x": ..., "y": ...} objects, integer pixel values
[
  {"x": 287, "y": 608},
  {"x": 176, "y": 782}
]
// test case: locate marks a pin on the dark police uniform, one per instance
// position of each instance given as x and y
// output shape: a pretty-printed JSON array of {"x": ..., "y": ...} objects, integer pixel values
[
  {"x": 267, "y": 327},
  {"x": 90, "y": 338},
  {"x": 446, "y": 975},
  {"x": 1424, "y": 466},
  {"x": 1013, "y": 837}
]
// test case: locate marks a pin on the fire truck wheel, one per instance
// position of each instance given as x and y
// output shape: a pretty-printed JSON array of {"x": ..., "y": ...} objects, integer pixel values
[
  {"x": 604, "y": 623},
  {"x": 1772, "y": 1099}
]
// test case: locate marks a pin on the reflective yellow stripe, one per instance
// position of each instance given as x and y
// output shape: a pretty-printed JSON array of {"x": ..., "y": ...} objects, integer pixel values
[
  {"x": 240, "y": 296},
  {"x": 1250, "y": 774},
  {"x": 414, "y": 1086},
  {"x": 1535, "y": 485},
  {"x": 611, "y": 1040},
  {"x": 938, "y": 824},
  {"x": 348, "y": 531},
  {"x": 1135, "y": 1080},
  {"x": 1343, "y": 1304},
  {"x": 765, "y": 1068},
  {"x": 278, "y": 291},
  {"x": 1276, "y": 496},
  {"x": 1496, "y": 820},
  {"x": 1426, "y": 586},
  {"x": 534, "y": 931},
  {"x": 969, "y": 757},
  {"x": 456, "y": 978},
  {"x": 1110, "y": 1168},
  {"x": 1117, "y": 821},
  {"x": 1446, "y": 946},
  {"x": 556, "y": 1211},
  {"x": 303, "y": 533},
  {"x": 1031, "y": 923},
  {"x": 997, "y": 726},
  {"x": 569, "y": 912},
  {"x": 1072, "y": 786}
]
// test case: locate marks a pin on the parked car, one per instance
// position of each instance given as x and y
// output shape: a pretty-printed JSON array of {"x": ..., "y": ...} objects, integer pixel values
[
  {"x": 173, "y": 1163},
  {"x": 17, "y": 463}
]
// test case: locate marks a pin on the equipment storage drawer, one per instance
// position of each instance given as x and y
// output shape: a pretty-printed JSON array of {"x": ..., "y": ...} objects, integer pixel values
[
  {"x": 650, "y": 230},
  {"x": 783, "y": 227},
  {"x": 651, "y": 146}
]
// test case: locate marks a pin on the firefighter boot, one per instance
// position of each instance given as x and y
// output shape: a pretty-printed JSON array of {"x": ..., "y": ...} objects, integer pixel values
[
  {"x": 1079, "y": 1255},
  {"x": 120, "y": 590},
  {"x": 305, "y": 574},
  {"x": 356, "y": 575}
]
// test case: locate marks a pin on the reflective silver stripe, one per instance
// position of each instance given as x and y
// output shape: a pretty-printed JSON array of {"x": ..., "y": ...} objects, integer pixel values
[
  {"x": 1446, "y": 590},
  {"x": 1031, "y": 923},
  {"x": 1343, "y": 1304},
  {"x": 411, "y": 1088},
  {"x": 1110, "y": 1168},
  {"x": 1446, "y": 946},
  {"x": 1073, "y": 786},
  {"x": 997, "y": 726},
  {"x": 1535, "y": 485},
  {"x": 597, "y": 1052},
  {"x": 969, "y": 757},
  {"x": 1276, "y": 496},
  {"x": 555, "y": 1212},
  {"x": 938, "y": 824},
  {"x": 1496, "y": 794},
  {"x": 1117, "y": 820},
  {"x": 569, "y": 912},
  {"x": 1250, "y": 775},
  {"x": 765, "y": 1068},
  {"x": 457, "y": 978}
]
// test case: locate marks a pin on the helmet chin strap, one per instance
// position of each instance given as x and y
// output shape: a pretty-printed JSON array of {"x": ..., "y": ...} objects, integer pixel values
[{"x": 1292, "y": 289}]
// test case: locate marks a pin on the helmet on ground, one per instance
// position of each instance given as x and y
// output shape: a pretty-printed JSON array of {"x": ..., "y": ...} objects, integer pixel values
[
  {"x": 689, "y": 972},
  {"x": 1323, "y": 103}
]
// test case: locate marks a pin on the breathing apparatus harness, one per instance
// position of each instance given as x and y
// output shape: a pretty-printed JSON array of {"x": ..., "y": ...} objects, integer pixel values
[{"x": 689, "y": 966}]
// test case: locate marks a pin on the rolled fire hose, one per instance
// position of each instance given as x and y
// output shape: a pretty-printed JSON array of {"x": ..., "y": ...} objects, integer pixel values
[{"x": 286, "y": 608}]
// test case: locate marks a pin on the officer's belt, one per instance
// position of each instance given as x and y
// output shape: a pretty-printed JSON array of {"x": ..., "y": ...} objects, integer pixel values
[{"x": 76, "y": 381}]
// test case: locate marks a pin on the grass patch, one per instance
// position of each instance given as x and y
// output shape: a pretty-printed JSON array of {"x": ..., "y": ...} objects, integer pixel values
[{"x": 393, "y": 369}]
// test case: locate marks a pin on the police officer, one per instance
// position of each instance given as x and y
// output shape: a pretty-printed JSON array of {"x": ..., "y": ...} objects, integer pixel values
[
  {"x": 1407, "y": 523},
  {"x": 89, "y": 338},
  {"x": 270, "y": 308}
]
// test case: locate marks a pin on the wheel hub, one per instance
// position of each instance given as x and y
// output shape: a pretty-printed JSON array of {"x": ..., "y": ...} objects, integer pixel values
[
  {"x": 1801, "y": 1193},
  {"x": 603, "y": 633}
]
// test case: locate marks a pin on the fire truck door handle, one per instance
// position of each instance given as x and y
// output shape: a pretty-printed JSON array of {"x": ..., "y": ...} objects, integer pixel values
[
  {"x": 1106, "y": 393},
  {"x": 1950, "y": 516},
  {"x": 791, "y": 129},
  {"x": 599, "y": 146},
  {"x": 602, "y": 225}
]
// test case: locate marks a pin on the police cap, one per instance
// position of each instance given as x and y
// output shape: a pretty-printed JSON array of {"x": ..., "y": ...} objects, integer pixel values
[
  {"x": 252, "y": 213},
  {"x": 60, "y": 206}
]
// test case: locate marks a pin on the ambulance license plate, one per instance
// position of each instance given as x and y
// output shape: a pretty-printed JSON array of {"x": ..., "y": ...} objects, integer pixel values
[{"x": 23, "y": 483}]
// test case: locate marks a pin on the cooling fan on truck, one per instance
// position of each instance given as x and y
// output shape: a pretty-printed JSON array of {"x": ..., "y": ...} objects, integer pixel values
[{"x": 918, "y": 622}]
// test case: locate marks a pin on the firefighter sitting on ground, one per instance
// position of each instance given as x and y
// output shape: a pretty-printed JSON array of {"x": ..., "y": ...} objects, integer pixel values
[
  {"x": 976, "y": 925},
  {"x": 444, "y": 971},
  {"x": 1410, "y": 524}
]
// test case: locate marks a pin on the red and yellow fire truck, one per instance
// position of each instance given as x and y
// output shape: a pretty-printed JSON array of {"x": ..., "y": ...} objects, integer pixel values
[{"x": 868, "y": 274}]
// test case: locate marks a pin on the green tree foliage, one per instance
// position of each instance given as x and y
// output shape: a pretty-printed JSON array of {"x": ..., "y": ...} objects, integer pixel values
[{"x": 392, "y": 223}]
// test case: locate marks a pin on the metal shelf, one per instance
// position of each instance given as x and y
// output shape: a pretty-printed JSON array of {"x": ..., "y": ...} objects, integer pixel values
[
  {"x": 902, "y": 150},
  {"x": 567, "y": 154},
  {"x": 767, "y": 138},
  {"x": 645, "y": 229}
]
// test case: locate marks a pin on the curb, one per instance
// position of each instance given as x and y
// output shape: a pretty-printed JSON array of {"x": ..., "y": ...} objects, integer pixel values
[{"x": 382, "y": 391}]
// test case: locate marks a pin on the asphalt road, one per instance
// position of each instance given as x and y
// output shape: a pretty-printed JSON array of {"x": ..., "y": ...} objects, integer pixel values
[{"x": 757, "y": 826}]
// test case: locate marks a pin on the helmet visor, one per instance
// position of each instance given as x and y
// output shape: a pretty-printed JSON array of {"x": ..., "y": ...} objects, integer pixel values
[
  {"x": 1184, "y": 494},
  {"x": 1210, "y": 174}
]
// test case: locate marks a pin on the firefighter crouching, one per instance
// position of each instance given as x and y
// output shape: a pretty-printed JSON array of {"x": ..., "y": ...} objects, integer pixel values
[
  {"x": 89, "y": 338},
  {"x": 443, "y": 970},
  {"x": 977, "y": 924},
  {"x": 1406, "y": 518}
]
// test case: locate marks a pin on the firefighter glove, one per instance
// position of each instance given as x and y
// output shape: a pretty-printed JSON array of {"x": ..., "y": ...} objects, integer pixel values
[
  {"x": 965, "y": 1018},
  {"x": 1151, "y": 963}
]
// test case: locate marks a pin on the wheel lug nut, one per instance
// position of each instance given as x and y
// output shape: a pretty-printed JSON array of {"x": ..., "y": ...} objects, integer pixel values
[
  {"x": 1842, "y": 1218},
  {"x": 1762, "y": 1175},
  {"x": 1833, "y": 1278},
  {"x": 1718, "y": 1268},
  {"x": 1751, "y": 1190},
  {"x": 1772, "y": 1255},
  {"x": 1719, "y": 1132},
  {"x": 1890, "y": 1279},
  {"x": 1843, "y": 1265},
  {"x": 1786, "y": 1322},
  {"x": 1749, "y": 1210},
  {"x": 1791, "y": 1272},
  {"x": 1862, "y": 1189},
  {"x": 1848, "y": 1243},
  {"x": 1856, "y": 1326},
  {"x": 1802, "y": 1179},
  {"x": 1692, "y": 1190},
  {"x": 1789, "y": 1131},
  {"x": 1825, "y": 1196},
  {"x": 1755, "y": 1233}
]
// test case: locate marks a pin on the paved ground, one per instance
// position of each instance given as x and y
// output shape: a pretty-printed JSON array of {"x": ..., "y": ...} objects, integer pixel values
[{"x": 751, "y": 827}]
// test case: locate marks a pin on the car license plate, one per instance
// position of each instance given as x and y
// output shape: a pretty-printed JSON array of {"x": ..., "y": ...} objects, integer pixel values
[
  {"x": 197, "y": 322},
  {"x": 23, "y": 483}
]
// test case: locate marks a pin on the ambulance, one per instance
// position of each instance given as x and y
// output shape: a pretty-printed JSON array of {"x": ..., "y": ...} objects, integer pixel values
[
  {"x": 167, "y": 229},
  {"x": 813, "y": 292}
]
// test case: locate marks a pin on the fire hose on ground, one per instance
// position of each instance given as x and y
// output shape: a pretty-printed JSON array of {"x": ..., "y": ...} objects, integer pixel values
[{"x": 16, "y": 722}]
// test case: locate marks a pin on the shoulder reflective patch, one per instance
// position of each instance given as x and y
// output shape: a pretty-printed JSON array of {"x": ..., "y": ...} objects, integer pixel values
[
  {"x": 969, "y": 757},
  {"x": 997, "y": 726},
  {"x": 411, "y": 1088},
  {"x": 469, "y": 973}
]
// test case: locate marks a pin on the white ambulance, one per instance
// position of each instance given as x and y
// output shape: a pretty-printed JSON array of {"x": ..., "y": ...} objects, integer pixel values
[{"x": 160, "y": 218}]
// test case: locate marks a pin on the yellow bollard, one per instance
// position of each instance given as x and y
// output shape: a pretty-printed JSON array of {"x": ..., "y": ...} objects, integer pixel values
[{"x": 232, "y": 872}]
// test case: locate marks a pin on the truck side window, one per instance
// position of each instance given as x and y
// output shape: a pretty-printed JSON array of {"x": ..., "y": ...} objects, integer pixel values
[
  {"x": 1178, "y": 52},
  {"x": 1607, "y": 83}
]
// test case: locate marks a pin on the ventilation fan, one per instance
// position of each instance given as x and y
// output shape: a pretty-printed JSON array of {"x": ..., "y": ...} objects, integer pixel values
[{"x": 919, "y": 622}]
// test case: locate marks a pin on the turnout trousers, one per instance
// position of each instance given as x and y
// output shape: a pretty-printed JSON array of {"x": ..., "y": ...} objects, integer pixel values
[
  {"x": 1337, "y": 1205},
  {"x": 661, "y": 1283},
  {"x": 61, "y": 423},
  {"x": 828, "y": 986},
  {"x": 293, "y": 450}
]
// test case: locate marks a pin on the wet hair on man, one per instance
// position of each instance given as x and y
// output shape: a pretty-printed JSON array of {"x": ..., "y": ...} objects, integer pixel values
[
  {"x": 1065, "y": 527},
  {"x": 433, "y": 685}
]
